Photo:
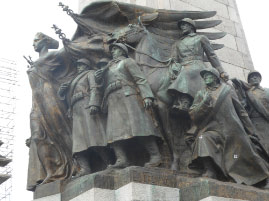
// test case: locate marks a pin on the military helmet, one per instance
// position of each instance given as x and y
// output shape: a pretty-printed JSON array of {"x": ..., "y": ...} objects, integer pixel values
[
  {"x": 210, "y": 70},
  {"x": 120, "y": 45},
  {"x": 187, "y": 20},
  {"x": 84, "y": 61},
  {"x": 254, "y": 72},
  {"x": 103, "y": 62}
]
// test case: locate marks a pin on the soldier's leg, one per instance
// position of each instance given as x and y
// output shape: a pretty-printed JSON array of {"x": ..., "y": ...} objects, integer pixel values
[
  {"x": 151, "y": 146},
  {"x": 83, "y": 163},
  {"x": 209, "y": 166},
  {"x": 122, "y": 160}
]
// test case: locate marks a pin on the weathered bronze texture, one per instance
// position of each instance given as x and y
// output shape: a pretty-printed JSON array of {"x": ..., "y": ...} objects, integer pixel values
[
  {"x": 221, "y": 131},
  {"x": 131, "y": 88},
  {"x": 255, "y": 98},
  {"x": 50, "y": 142}
]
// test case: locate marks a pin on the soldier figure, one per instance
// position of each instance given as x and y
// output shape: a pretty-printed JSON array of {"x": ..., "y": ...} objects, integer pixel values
[
  {"x": 221, "y": 131},
  {"x": 256, "y": 100},
  {"x": 128, "y": 99},
  {"x": 189, "y": 51},
  {"x": 84, "y": 102},
  {"x": 258, "y": 107}
]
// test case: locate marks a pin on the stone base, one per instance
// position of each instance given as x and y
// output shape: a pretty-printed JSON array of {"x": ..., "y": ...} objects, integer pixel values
[{"x": 147, "y": 184}]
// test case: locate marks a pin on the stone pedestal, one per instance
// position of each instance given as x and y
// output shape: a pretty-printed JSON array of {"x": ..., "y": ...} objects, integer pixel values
[{"x": 146, "y": 184}]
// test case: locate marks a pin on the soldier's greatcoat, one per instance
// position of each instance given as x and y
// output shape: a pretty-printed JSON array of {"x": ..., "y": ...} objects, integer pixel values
[
  {"x": 223, "y": 125},
  {"x": 258, "y": 109},
  {"x": 189, "y": 52},
  {"x": 125, "y": 89},
  {"x": 87, "y": 130}
]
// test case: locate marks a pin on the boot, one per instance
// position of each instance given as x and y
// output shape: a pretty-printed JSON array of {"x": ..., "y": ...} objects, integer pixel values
[
  {"x": 83, "y": 163},
  {"x": 266, "y": 186},
  {"x": 209, "y": 169},
  {"x": 175, "y": 163},
  {"x": 122, "y": 161},
  {"x": 155, "y": 157}
]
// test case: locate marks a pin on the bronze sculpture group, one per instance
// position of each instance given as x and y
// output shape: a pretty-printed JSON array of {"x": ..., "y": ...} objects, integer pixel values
[{"x": 117, "y": 95}]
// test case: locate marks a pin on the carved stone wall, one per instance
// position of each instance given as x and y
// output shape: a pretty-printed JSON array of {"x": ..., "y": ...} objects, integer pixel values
[{"x": 235, "y": 55}]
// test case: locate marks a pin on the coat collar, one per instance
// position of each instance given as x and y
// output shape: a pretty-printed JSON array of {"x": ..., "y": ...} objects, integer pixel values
[
  {"x": 256, "y": 87},
  {"x": 189, "y": 35},
  {"x": 120, "y": 58},
  {"x": 213, "y": 88}
]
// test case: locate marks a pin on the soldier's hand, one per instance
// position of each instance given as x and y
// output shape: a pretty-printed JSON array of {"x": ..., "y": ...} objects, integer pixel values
[
  {"x": 28, "y": 142},
  {"x": 148, "y": 103},
  {"x": 254, "y": 137},
  {"x": 93, "y": 110},
  {"x": 98, "y": 75},
  {"x": 224, "y": 76},
  {"x": 207, "y": 98}
]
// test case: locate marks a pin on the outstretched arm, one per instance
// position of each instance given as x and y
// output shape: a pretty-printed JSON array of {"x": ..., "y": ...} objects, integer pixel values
[
  {"x": 201, "y": 107},
  {"x": 212, "y": 57}
]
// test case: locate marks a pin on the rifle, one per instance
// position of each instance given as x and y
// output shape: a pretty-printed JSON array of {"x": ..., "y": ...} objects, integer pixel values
[{"x": 29, "y": 61}]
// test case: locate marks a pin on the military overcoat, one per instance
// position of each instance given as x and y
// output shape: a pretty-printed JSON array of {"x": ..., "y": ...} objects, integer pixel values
[
  {"x": 125, "y": 89},
  {"x": 258, "y": 109},
  {"x": 189, "y": 52},
  {"x": 223, "y": 128},
  {"x": 87, "y": 130}
]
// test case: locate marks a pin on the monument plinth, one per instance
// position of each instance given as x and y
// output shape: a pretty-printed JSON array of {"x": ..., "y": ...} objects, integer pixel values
[{"x": 144, "y": 184}]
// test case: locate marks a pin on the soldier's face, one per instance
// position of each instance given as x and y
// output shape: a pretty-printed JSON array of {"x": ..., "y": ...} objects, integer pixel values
[
  {"x": 255, "y": 79},
  {"x": 186, "y": 28},
  {"x": 81, "y": 67},
  {"x": 116, "y": 52},
  {"x": 209, "y": 78}
]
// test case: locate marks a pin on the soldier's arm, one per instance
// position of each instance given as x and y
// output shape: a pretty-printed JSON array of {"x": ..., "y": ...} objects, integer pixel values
[
  {"x": 243, "y": 115},
  {"x": 201, "y": 107},
  {"x": 139, "y": 78},
  {"x": 95, "y": 91},
  {"x": 174, "y": 52},
  {"x": 211, "y": 55}
]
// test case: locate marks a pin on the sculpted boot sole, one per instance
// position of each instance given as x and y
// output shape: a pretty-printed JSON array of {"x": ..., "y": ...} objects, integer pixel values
[
  {"x": 154, "y": 162},
  {"x": 119, "y": 164}
]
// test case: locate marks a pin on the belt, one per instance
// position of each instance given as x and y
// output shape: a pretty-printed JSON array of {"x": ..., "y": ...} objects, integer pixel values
[
  {"x": 112, "y": 87},
  {"x": 76, "y": 97},
  {"x": 191, "y": 58}
]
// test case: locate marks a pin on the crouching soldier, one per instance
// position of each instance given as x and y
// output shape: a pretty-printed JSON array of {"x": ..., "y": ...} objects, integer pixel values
[{"x": 222, "y": 134}]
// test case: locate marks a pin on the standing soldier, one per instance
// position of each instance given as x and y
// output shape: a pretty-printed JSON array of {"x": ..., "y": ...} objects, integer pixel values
[
  {"x": 84, "y": 102},
  {"x": 258, "y": 107},
  {"x": 128, "y": 99},
  {"x": 189, "y": 51},
  {"x": 256, "y": 100}
]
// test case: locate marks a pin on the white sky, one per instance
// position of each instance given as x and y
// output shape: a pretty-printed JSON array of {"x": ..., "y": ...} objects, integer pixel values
[{"x": 21, "y": 19}]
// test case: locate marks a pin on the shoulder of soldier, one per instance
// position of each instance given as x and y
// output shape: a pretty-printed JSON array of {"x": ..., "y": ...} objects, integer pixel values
[
  {"x": 203, "y": 38},
  {"x": 200, "y": 93},
  {"x": 129, "y": 61}
]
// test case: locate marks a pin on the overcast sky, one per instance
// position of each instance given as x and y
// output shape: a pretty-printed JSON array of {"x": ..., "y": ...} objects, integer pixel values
[{"x": 21, "y": 19}]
